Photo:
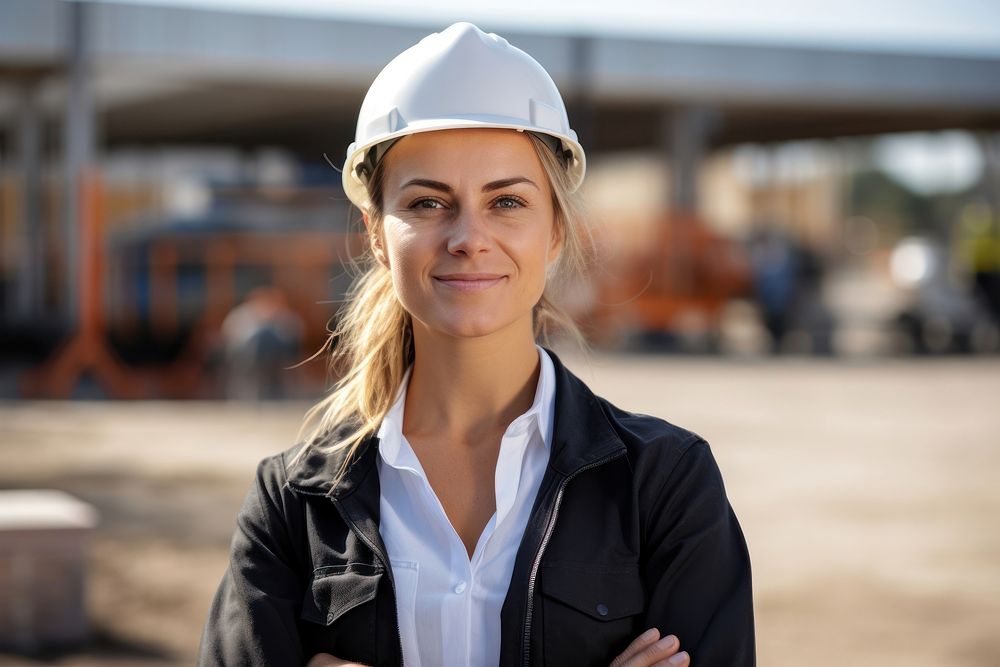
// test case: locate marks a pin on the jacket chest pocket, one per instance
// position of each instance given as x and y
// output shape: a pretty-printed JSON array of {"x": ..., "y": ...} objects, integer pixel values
[
  {"x": 590, "y": 613},
  {"x": 339, "y": 611}
]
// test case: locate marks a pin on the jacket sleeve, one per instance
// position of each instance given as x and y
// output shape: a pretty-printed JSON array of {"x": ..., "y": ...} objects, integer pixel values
[
  {"x": 252, "y": 620},
  {"x": 697, "y": 568}
]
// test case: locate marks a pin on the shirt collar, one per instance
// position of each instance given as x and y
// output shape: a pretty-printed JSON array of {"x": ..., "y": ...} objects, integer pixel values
[
  {"x": 394, "y": 451},
  {"x": 390, "y": 432},
  {"x": 543, "y": 405}
]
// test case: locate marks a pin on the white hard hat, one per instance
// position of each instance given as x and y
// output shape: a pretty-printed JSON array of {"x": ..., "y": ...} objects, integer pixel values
[{"x": 460, "y": 77}]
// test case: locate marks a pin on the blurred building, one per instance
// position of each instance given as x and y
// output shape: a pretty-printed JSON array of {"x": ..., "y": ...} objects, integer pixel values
[{"x": 197, "y": 142}]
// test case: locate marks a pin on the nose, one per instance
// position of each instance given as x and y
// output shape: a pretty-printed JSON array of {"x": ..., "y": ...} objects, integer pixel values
[{"x": 468, "y": 234}]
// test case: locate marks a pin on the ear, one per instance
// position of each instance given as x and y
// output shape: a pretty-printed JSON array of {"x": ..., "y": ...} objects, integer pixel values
[
  {"x": 555, "y": 243},
  {"x": 375, "y": 240}
]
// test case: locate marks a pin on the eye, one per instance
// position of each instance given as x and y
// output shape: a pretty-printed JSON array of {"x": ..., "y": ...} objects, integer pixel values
[
  {"x": 508, "y": 201},
  {"x": 426, "y": 203}
]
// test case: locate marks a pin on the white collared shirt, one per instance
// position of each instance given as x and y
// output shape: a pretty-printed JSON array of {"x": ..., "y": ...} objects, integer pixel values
[{"x": 449, "y": 606}]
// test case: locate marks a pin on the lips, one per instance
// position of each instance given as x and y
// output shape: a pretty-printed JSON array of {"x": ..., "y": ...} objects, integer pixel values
[{"x": 470, "y": 282}]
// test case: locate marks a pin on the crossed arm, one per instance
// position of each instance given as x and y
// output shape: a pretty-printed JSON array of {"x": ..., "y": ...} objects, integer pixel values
[{"x": 647, "y": 650}]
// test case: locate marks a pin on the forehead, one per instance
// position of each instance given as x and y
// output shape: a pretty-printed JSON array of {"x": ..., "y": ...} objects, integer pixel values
[{"x": 464, "y": 154}]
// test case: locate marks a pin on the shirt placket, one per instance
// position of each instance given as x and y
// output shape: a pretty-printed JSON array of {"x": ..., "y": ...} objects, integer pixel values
[{"x": 458, "y": 597}]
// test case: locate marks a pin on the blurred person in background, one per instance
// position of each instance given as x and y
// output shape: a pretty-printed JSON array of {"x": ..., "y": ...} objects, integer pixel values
[
  {"x": 775, "y": 270},
  {"x": 260, "y": 338},
  {"x": 787, "y": 284},
  {"x": 461, "y": 498},
  {"x": 814, "y": 318},
  {"x": 979, "y": 246},
  {"x": 939, "y": 312}
]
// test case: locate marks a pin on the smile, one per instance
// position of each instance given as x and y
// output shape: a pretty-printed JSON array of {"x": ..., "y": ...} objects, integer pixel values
[{"x": 469, "y": 282}]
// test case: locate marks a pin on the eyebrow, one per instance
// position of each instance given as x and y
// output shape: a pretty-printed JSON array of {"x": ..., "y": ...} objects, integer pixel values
[
  {"x": 507, "y": 182},
  {"x": 489, "y": 187}
]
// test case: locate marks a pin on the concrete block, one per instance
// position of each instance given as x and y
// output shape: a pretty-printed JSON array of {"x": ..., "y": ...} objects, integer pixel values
[{"x": 43, "y": 538}]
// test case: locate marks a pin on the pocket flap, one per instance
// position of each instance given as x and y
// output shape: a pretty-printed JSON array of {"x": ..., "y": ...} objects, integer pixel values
[
  {"x": 337, "y": 589},
  {"x": 603, "y": 593}
]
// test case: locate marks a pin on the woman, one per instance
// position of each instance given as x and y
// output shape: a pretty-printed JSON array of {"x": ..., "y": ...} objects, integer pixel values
[{"x": 463, "y": 498}]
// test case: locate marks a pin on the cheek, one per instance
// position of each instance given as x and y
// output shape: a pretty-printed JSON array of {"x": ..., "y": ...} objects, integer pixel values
[
  {"x": 531, "y": 255},
  {"x": 408, "y": 254}
]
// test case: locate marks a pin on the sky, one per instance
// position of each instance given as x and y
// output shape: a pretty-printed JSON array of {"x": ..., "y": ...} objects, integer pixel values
[{"x": 933, "y": 26}]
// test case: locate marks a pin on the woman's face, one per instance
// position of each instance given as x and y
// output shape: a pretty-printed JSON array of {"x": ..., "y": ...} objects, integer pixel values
[{"x": 468, "y": 230}]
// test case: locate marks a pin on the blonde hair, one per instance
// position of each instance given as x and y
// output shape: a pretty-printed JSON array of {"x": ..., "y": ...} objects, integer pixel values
[{"x": 371, "y": 345}]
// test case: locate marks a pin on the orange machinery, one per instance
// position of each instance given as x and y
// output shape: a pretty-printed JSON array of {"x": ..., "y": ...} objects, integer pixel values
[
  {"x": 677, "y": 283},
  {"x": 300, "y": 263}
]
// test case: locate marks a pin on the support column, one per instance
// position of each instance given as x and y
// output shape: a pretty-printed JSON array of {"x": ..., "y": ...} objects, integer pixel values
[
  {"x": 582, "y": 108},
  {"x": 28, "y": 285},
  {"x": 686, "y": 133},
  {"x": 78, "y": 147}
]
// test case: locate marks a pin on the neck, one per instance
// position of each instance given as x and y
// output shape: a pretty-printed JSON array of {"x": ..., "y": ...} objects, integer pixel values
[{"x": 465, "y": 389}]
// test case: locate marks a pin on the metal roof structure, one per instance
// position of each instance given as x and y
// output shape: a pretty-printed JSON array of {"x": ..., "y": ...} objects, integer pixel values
[{"x": 187, "y": 75}]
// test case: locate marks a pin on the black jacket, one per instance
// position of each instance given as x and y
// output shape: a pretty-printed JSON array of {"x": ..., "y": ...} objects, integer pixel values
[{"x": 631, "y": 529}]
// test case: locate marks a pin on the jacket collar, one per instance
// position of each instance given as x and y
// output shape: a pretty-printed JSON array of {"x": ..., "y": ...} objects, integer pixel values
[
  {"x": 582, "y": 434},
  {"x": 316, "y": 469}
]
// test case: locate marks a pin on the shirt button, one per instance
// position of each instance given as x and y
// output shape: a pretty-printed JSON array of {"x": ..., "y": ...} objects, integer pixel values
[
  {"x": 459, "y": 588},
  {"x": 602, "y": 609}
]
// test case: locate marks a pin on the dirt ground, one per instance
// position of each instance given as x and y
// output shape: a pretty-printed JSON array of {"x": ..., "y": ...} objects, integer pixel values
[{"x": 868, "y": 493}]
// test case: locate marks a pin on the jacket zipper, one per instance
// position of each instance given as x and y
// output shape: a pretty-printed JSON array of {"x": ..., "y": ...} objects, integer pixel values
[
  {"x": 388, "y": 568},
  {"x": 546, "y": 536}
]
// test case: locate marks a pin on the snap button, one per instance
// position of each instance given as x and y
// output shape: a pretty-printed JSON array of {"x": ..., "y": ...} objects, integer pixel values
[
  {"x": 459, "y": 588},
  {"x": 602, "y": 609}
]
